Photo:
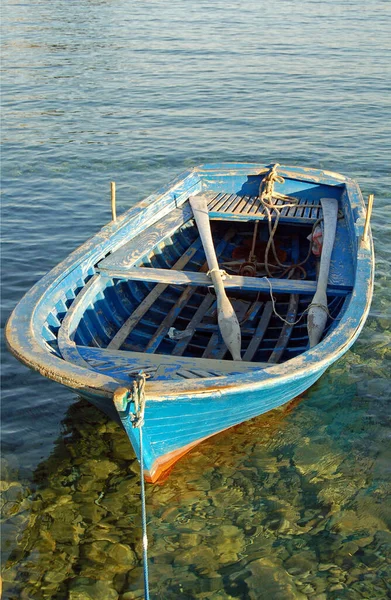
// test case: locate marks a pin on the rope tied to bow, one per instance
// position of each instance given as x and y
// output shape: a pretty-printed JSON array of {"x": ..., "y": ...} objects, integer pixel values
[
  {"x": 266, "y": 188},
  {"x": 137, "y": 419},
  {"x": 138, "y": 398}
]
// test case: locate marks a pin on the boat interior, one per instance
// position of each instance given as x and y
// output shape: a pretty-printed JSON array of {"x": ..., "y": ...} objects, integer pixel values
[{"x": 150, "y": 305}]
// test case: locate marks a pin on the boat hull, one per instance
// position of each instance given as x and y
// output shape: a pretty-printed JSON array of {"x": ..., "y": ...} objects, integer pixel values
[
  {"x": 172, "y": 427},
  {"x": 44, "y": 333}
]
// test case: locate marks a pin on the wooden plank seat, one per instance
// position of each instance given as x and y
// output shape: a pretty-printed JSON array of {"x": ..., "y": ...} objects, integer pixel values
[
  {"x": 122, "y": 363},
  {"x": 234, "y": 207},
  {"x": 190, "y": 278}
]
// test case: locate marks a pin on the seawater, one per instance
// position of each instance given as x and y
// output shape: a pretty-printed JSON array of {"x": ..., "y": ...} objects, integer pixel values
[{"x": 294, "y": 504}]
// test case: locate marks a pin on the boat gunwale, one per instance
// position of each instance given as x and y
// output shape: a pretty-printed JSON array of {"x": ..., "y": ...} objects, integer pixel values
[{"x": 24, "y": 340}]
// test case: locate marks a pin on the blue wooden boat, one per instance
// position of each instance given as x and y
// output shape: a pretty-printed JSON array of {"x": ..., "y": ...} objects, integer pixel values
[{"x": 137, "y": 297}]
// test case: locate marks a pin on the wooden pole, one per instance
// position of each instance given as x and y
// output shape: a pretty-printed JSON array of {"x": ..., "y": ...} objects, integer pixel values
[
  {"x": 113, "y": 206},
  {"x": 368, "y": 217},
  {"x": 317, "y": 314},
  {"x": 226, "y": 317}
]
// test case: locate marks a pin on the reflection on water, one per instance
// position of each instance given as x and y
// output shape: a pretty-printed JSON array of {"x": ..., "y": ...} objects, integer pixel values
[{"x": 295, "y": 500}]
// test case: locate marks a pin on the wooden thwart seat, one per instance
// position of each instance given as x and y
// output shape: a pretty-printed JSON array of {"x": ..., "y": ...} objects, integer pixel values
[
  {"x": 189, "y": 278},
  {"x": 165, "y": 363}
]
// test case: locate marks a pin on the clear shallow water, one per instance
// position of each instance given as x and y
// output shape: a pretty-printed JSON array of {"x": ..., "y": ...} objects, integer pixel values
[{"x": 295, "y": 503}]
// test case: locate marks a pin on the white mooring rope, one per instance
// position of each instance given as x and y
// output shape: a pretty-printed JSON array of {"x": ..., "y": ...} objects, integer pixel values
[{"x": 137, "y": 420}]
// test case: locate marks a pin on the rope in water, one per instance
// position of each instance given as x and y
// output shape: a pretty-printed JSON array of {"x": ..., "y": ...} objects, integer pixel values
[{"x": 137, "y": 420}]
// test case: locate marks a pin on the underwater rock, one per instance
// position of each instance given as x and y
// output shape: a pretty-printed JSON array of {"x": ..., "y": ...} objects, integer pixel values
[
  {"x": 91, "y": 512},
  {"x": 83, "y": 588},
  {"x": 189, "y": 540},
  {"x": 317, "y": 461},
  {"x": 122, "y": 555},
  {"x": 96, "y": 552},
  {"x": 336, "y": 493},
  {"x": 136, "y": 595},
  {"x": 221, "y": 497},
  {"x": 200, "y": 557},
  {"x": 319, "y": 583},
  {"x": 121, "y": 448},
  {"x": 113, "y": 503},
  {"x": 88, "y": 483},
  {"x": 227, "y": 543},
  {"x": 363, "y": 528},
  {"x": 301, "y": 564},
  {"x": 269, "y": 580},
  {"x": 100, "y": 469}
]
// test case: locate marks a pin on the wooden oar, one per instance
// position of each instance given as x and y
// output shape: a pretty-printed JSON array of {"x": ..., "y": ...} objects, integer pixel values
[
  {"x": 227, "y": 320},
  {"x": 317, "y": 315}
]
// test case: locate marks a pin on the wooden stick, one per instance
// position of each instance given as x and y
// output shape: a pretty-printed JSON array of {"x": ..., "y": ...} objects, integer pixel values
[
  {"x": 317, "y": 315},
  {"x": 113, "y": 206},
  {"x": 228, "y": 322},
  {"x": 368, "y": 217}
]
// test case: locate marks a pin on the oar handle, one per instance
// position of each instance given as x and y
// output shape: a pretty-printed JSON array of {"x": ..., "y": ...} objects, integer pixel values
[
  {"x": 317, "y": 314},
  {"x": 330, "y": 215},
  {"x": 201, "y": 215},
  {"x": 226, "y": 316}
]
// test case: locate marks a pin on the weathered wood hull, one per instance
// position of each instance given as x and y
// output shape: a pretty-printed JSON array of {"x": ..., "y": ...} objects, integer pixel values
[{"x": 110, "y": 309}]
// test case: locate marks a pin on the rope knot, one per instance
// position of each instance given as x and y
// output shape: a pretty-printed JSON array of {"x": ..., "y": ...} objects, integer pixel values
[
  {"x": 138, "y": 399},
  {"x": 224, "y": 274}
]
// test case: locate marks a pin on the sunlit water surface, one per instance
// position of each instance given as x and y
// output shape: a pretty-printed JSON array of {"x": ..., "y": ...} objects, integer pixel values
[{"x": 292, "y": 505}]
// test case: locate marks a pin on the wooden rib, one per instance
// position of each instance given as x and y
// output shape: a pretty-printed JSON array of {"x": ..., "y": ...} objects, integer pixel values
[
  {"x": 65, "y": 341},
  {"x": 216, "y": 347},
  {"x": 153, "y": 295},
  {"x": 169, "y": 319},
  {"x": 259, "y": 332},
  {"x": 287, "y": 329},
  {"x": 183, "y": 299},
  {"x": 182, "y": 344}
]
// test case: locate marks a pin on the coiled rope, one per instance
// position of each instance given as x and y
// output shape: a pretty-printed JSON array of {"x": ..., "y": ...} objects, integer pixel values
[
  {"x": 268, "y": 197},
  {"x": 137, "y": 420}
]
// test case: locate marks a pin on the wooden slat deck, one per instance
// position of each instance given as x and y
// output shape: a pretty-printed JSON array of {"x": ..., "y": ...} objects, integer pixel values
[
  {"x": 182, "y": 301},
  {"x": 286, "y": 331},
  {"x": 259, "y": 332},
  {"x": 182, "y": 344},
  {"x": 216, "y": 347},
  {"x": 149, "y": 300},
  {"x": 225, "y": 207}
]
